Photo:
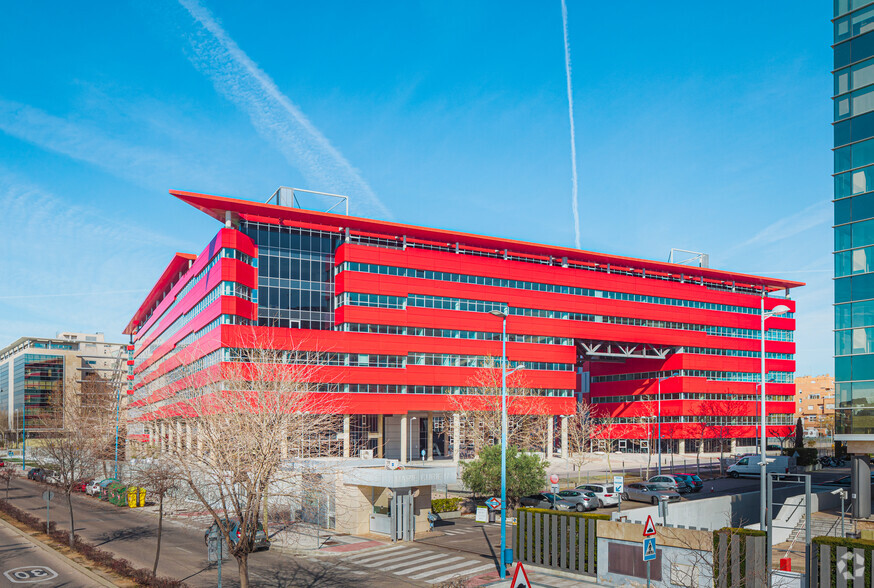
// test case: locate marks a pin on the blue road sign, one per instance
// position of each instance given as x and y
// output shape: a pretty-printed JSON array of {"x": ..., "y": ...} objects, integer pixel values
[
  {"x": 649, "y": 549},
  {"x": 493, "y": 503}
]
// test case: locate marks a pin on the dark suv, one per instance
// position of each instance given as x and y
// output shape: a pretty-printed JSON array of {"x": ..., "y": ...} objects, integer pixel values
[
  {"x": 261, "y": 539},
  {"x": 32, "y": 473},
  {"x": 693, "y": 481}
]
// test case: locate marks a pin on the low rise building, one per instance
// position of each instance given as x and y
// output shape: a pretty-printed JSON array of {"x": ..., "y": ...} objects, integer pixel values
[
  {"x": 815, "y": 404},
  {"x": 39, "y": 374}
]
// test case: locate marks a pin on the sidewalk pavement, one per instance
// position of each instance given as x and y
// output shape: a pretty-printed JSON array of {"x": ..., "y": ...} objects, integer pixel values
[{"x": 539, "y": 577}]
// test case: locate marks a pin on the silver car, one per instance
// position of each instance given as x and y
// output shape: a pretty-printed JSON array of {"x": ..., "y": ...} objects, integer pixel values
[
  {"x": 670, "y": 482},
  {"x": 581, "y": 499},
  {"x": 606, "y": 494},
  {"x": 649, "y": 493},
  {"x": 546, "y": 500}
]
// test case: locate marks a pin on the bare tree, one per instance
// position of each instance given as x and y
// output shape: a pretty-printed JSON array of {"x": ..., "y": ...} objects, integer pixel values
[
  {"x": 72, "y": 437},
  {"x": 605, "y": 432},
  {"x": 480, "y": 411},
  {"x": 240, "y": 420},
  {"x": 580, "y": 429},
  {"x": 7, "y": 473},
  {"x": 159, "y": 476}
]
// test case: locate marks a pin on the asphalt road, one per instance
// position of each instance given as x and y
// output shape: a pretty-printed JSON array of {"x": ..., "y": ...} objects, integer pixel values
[
  {"x": 24, "y": 564},
  {"x": 131, "y": 534}
]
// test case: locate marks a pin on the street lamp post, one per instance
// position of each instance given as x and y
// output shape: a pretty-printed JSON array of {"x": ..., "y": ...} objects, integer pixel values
[
  {"x": 660, "y": 420},
  {"x": 503, "y": 555},
  {"x": 763, "y": 503}
]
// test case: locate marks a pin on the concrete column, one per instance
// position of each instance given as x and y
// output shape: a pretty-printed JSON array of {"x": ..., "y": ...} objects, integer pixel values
[
  {"x": 733, "y": 447},
  {"x": 178, "y": 435},
  {"x": 283, "y": 446},
  {"x": 456, "y": 437},
  {"x": 189, "y": 446},
  {"x": 550, "y": 436},
  {"x": 161, "y": 441},
  {"x": 380, "y": 437},
  {"x": 347, "y": 435},
  {"x": 199, "y": 435},
  {"x": 405, "y": 425},
  {"x": 430, "y": 448},
  {"x": 167, "y": 436},
  {"x": 681, "y": 446},
  {"x": 564, "y": 447}
]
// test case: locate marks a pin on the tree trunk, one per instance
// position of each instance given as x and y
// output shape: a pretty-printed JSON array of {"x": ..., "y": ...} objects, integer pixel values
[
  {"x": 243, "y": 567},
  {"x": 72, "y": 521},
  {"x": 160, "y": 529}
]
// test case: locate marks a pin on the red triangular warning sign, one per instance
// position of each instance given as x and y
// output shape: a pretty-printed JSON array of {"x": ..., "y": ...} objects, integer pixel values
[
  {"x": 516, "y": 574},
  {"x": 649, "y": 527}
]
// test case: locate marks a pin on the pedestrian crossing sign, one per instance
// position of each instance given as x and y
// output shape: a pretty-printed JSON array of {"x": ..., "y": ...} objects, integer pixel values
[
  {"x": 649, "y": 549},
  {"x": 516, "y": 575}
]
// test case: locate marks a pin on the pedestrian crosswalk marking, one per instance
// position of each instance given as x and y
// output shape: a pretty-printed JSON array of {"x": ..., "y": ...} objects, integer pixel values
[
  {"x": 420, "y": 560},
  {"x": 428, "y": 565},
  {"x": 443, "y": 569},
  {"x": 482, "y": 568},
  {"x": 390, "y": 558},
  {"x": 378, "y": 552}
]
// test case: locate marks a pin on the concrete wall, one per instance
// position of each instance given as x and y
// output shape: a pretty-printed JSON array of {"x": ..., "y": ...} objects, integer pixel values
[
  {"x": 739, "y": 510},
  {"x": 686, "y": 555}
]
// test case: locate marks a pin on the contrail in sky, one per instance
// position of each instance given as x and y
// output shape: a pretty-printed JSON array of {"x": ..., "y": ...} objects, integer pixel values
[
  {"x": 570, "y": 107},
  {"x": 274, "y": 116}
]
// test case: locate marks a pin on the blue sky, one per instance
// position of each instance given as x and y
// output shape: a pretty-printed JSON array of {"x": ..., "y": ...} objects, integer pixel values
[{"x": 704, "y": 129}]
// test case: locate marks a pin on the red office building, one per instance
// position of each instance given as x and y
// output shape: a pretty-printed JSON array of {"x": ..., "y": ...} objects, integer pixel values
[{"x": 402, "y": 317}]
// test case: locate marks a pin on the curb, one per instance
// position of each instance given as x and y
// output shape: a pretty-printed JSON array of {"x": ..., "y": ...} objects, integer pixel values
[{"x": 99, "y": 579}]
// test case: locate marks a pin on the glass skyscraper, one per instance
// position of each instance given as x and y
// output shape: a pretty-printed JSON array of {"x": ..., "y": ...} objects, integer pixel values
[{"x": 854, "y": 237}]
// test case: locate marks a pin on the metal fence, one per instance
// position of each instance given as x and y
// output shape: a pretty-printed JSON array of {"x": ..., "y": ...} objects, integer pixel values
[{"x": 563, "y": 541}]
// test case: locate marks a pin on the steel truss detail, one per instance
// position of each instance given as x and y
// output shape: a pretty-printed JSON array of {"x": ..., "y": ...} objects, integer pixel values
[{"x": 592, "y": 349}]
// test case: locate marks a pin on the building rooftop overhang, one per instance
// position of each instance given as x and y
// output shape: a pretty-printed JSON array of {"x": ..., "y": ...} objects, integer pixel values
[
  {"x": 218, "y": 206},
  {"x": 177, "y": 265}
]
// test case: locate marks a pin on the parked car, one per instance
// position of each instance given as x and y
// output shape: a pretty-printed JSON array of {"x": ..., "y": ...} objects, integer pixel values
[
  {"x": 671, "y": 482},
  {"x": 606, "y": 494},
  {"x": 581, "y": 499},
  {"x": 32, "y": 473},
  {"x": 693, "y": 481},
  {"x": 93, "y": 488},
  {"x": 652, "y": 493},
  {"x": 750, "y": 466},
  {"x": 81, "y": 485},
  {"x": 261, "y": 539},
  {"x": 52, "y": 477},
  {"x": 547, "y": 500},
  {"x": 2, "y": 464}
]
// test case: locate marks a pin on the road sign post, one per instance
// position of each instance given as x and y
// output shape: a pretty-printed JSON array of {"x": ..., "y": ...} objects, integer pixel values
[
  {"x": 649, "y": 545},
  {"x": 47, "y": 496},
  {"x": 215, "y": 550},
  {"x": 619, "y": 488}
]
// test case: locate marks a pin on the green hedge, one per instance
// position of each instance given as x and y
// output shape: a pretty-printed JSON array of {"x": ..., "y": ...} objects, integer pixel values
[
  {"x": 439, "y": 505},
  {"x": 850, "y": 544}
]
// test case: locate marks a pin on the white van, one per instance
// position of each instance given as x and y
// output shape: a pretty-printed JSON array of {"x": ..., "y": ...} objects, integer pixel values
[{"x": 750, "y": 466}]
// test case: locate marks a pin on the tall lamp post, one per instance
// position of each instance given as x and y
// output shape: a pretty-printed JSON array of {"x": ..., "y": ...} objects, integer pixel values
[
  {"x": 660, "y": 420},
  {"x": 504, "y": 555},
  {"x": 763, "y": 505}
]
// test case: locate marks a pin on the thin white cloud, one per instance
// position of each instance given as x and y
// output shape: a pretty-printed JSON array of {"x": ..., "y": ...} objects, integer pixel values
[
  {"x": 273, "y": 114},
  {"x": 84, "y": 142},
  {"x": 812, "y": 216},
  {"x": 570, "y": 106},
  {"x": 70, "y": 267}
]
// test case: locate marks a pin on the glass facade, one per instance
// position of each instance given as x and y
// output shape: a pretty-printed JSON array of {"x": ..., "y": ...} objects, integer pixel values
[
  {"x": 854, "y": 217},
  {"x": 38, "y": 386},
  {"x": 295, "y": 275},
  {"x": 4, "y": 389}
]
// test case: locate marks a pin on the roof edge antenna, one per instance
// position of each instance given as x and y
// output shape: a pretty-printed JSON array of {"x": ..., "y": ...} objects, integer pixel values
[
  {"x": 288, "y": 197},
  {"x": 689, "y": 257}
]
